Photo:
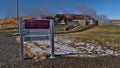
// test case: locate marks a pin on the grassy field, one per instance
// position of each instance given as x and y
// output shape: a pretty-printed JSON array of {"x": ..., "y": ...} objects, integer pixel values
[
  {"x": 78, "y": 28},
  {"x": 107, "y": 35},
  {"x": 60, "y": 28},
  {"x": 104, "y": 35},
  {"x": 8, "y": 29}
]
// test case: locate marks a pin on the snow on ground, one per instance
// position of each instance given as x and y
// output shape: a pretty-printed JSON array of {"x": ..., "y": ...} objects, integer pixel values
[{"x": 67, "y": 46}]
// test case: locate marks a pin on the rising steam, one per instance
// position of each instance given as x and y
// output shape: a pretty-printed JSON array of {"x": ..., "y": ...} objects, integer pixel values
[
  {"x": 46, "y": 11},
  {"x": 102, "y": 20}
]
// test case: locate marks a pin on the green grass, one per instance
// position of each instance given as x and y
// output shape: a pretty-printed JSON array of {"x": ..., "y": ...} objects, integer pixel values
[
  {"x": 60, "y": 28},
  {"x": 8, "y": 29},
  {"x": 78, "y": 27}
]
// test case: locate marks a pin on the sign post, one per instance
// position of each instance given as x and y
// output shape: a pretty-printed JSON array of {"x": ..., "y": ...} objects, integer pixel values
[
  {"x": 21, "y": 41},
  {"x": 52, "y": 39},
  {"x": 31, "y": 30}
]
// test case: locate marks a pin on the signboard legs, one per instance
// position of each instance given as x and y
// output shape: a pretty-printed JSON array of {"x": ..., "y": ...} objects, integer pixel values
[
  {"x": 21, "y": 41},
  {"x": 52, "y": 39}
]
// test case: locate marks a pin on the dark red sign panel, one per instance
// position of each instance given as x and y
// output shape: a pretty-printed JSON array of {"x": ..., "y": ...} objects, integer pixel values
[{"x": 37, "y": 24}]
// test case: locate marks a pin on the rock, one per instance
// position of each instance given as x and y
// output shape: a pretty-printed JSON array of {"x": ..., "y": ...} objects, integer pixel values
[
  {"x": 18, "y": 39},
  {"x": 42, "y": 57},
  {"x": 39, "y": 57},
  {"x": 35, "y": 58},
  {"x": 46, "y": 54}
]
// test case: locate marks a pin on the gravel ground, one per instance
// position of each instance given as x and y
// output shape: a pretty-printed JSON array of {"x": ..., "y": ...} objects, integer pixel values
[{"x": 9, "y": 58}]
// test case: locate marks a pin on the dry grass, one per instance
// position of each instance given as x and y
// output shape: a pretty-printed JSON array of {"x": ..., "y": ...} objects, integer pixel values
[
  {"x": 78, "y": 28},
  {"x": 104, "y": 35},
  {"x": 28, "y": 53},
  {"x": 37, "y": 56},
  {"x": 60, "y": 28},
  {"x": 42, "y": 47},
  {"x": 36, "y": 44},
  {"x": 6, "y": 23},
  {"x": 48, "y": 47}
]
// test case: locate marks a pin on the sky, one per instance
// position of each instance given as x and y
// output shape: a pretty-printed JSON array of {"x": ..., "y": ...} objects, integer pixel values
[{"x": 110, "y": 8}]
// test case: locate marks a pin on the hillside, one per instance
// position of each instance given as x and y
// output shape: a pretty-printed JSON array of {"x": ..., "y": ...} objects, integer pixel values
[
  {"x": 115, "y": 21},
  {"x": 10, "y": 22}
]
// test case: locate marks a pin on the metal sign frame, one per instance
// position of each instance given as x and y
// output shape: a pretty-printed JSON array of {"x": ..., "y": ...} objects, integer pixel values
[{"x": 24, "y": 32}]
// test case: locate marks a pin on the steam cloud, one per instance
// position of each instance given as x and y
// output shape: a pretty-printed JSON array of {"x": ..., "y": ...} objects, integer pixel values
[
  {"x": 102, "y": 20},
  {"x": 45, "y": 11}
]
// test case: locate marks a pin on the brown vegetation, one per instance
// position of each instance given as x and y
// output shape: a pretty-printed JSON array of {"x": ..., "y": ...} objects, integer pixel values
[{"x": 11, "y": 22}]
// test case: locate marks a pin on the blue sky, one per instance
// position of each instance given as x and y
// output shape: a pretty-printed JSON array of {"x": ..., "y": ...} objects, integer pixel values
[{"x": 110, "y": 8}]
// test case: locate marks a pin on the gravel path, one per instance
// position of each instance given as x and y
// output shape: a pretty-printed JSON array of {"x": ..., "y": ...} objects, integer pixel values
[{"x": 9, "y": 58}]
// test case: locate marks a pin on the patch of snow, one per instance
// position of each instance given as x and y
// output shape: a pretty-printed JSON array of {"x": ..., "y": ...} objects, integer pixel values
[
  {"x": 90, "y": 48},
  {"x": 82, "y": 47},
  {"x": 63, "y": 40},
  {"x": 46, "y": 42},
  {"x": 80, "y": 43},
  {"x": 62, "y": 46},
  {"x": 99, "y": 48},
  {"x": 109, "y": 52},
  {"x": 35, "y": 49},
  {"x": 67, "y": 41}
]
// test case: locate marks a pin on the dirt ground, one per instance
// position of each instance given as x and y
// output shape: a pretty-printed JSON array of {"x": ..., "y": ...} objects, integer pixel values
[{"x": 9, "y": 58}]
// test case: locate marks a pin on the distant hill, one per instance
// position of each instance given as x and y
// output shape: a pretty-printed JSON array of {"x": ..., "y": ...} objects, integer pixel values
[
  {"x": 115, "y": 21},
  {"x": 11, "y": 22}
]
